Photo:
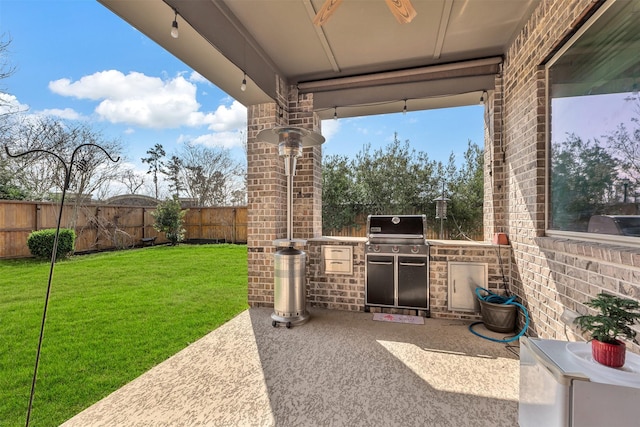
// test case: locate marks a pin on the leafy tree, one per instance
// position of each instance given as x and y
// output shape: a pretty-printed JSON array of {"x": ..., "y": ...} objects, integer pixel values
[
  {"x": 338, "y": 188},
  {"x": 395, "y": 179},
  {"x": 583, "y": 174},
  {"x": 9, "y": 190},
  {"x": 173, "y": 170},
  {"x": 624, "y": 146},
  {"x": 399, "y": 180},
  {"x": 155, "y": 163},
  {"x": 467, "y": 194},
  {"x": 169, "y": 219}
]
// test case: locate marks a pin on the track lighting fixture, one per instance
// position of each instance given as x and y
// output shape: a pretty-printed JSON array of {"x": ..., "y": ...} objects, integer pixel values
[
  {"x": 482, "y": 97},
  {"x": 174, "y": 26},
  {"x": 335, "y": 113},
  {"x": 404, "y": 110},
  {"x": 243, "y": 86}
]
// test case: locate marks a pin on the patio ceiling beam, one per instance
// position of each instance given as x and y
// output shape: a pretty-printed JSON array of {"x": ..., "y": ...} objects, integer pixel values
[
  {"x": 442, "y": 30},
  {"x": 216, "y": 24},
  {"x": 477, "y": 67},
  {"x": 322, "y": 37}
]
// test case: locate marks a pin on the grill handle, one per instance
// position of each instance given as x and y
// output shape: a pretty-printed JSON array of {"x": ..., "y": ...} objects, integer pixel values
[
  {"x": 381, "y": 262},
  {"x": 413, "y": 264}
]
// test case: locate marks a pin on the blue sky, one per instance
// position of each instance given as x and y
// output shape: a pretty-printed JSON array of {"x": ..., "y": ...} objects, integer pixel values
[{"x": 76, "y": 59}]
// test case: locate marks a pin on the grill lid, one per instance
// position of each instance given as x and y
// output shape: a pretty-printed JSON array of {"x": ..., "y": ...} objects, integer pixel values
[{"x": 396, "y": 228}]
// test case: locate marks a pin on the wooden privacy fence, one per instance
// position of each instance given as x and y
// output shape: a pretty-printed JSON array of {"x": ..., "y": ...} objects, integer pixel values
[{"x": 104, "y": 227}]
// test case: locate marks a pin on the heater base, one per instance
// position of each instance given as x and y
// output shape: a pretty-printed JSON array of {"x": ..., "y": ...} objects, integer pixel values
[{"x": 289, "y": 321}]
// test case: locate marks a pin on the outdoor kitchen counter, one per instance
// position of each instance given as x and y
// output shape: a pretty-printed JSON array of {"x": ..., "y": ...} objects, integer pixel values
[{"x": 346, "y": 290}]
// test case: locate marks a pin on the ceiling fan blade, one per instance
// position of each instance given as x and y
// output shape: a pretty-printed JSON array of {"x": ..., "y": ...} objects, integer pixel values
[
  {"x": 402, "y": 9},
  {"x": 326, "y": 11}
]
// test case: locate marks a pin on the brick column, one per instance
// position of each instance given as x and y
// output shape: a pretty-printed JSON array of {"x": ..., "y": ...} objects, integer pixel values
[
  {"x": 495, "y": 209},
  {"x": 307, "y": 194},
  {"x": 267, "y": 188}
]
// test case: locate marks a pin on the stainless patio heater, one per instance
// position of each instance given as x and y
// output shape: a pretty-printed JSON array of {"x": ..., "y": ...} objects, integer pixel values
[{"x": 289, "y": 291}]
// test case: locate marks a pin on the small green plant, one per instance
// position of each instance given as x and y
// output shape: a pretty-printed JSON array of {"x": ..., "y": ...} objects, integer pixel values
[
  {"x": 614, "y": 321},
  {"x": 169, "y": 218},
  {"x": 40, "y": 243}
]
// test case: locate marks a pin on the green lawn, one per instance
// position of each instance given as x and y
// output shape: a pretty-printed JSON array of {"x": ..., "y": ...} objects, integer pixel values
[{"x": 112, "y": 316}]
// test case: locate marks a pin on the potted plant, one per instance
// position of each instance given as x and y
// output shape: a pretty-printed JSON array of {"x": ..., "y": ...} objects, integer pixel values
[{"x": 614, "y": 320}]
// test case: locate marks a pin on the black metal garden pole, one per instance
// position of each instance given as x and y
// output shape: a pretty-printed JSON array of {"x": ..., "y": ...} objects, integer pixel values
[{"x": 54, "y": 253}]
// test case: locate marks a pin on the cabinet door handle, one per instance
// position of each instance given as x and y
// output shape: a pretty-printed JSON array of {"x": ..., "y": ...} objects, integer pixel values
[
  {"x": 412, "y": 264},
  {"x": 454, "y": 286}
]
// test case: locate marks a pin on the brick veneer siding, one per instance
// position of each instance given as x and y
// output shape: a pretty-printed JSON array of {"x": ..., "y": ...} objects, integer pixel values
[
  {"x": 441, "y": 253},
  {"x": 336, "y": 291},
  {"x": 549, "y": 274}
]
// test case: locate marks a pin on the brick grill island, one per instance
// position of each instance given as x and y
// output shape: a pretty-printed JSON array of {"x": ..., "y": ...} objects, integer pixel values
[{"x": 344, "y": 291}]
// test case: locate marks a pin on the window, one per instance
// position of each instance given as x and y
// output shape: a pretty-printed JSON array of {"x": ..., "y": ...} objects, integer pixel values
[{"x": 594, "y": 117}]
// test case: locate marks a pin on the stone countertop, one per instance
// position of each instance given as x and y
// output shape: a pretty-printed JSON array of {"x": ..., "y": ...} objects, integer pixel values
[{"x": 338, "y": 239}]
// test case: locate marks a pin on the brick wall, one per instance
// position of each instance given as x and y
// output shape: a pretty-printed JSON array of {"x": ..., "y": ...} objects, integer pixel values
[
  {"x": 496, "y": 258},
  {"x": 549, "y": 274},
  {"x": 336, "y": 291}
]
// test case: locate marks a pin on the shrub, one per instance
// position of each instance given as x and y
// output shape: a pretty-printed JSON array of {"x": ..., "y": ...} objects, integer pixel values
[
  {"x": 40, "y": 242},
  {"x": 169, "y": 218}
]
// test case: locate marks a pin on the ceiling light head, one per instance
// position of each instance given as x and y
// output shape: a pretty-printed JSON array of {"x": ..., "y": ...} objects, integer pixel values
[
  {"x": 243, "y": 86},
  {"x": 404, "y": 110},
  {"x": 335, "y": 113},
  {"x": 483, "y": 97},
  {"x": 174, "y": 26}
]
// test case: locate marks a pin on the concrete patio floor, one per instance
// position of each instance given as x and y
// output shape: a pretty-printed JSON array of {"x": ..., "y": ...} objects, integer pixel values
[{"x": 339, "y": 369}]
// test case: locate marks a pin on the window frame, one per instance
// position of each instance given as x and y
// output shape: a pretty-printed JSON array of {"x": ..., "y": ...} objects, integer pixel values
[{"x": 578, "y": 235}]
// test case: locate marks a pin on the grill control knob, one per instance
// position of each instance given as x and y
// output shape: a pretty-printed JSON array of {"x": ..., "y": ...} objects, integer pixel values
[
  {"x": 395, "y": 249},
  {"x": 414, "y": 249},
  {"x": 376, "y": 248}
]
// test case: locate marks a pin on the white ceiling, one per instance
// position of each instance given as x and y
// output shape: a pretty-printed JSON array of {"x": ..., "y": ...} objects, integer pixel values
[{"x": 382, "y": 62}]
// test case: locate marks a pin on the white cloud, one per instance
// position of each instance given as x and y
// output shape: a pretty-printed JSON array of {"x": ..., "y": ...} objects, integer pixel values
[
  {"x": 226, "y": 139},
  {"x": 330, "y": 128},
  {"x": 67, "y": 113},
  {"x": 139, "y": 100},
  {"x": 196, "y": 77},
  {"x": 10, "y": 104},
  {"x": 225, "y": 119}
]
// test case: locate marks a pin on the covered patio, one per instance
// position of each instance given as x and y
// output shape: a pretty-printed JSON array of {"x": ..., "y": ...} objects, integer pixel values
[{"x": 342, "y": 368}]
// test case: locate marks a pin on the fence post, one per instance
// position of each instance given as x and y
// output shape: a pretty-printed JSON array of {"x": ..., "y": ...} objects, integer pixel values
[{"x": 233, "y": 226}]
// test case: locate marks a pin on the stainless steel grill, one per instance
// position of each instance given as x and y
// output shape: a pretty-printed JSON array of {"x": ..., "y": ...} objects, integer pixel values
[{"x": 397, "y": 262}]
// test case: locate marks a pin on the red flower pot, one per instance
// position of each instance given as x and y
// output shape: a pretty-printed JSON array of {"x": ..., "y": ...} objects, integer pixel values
[{"x": 611, "y": 355}]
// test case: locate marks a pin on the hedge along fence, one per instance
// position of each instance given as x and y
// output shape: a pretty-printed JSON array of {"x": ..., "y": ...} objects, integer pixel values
[{"x": 104, "y": 227}]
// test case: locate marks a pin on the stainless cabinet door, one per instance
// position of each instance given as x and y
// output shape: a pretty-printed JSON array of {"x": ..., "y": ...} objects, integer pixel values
[{"x": 380, "y": 288}]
